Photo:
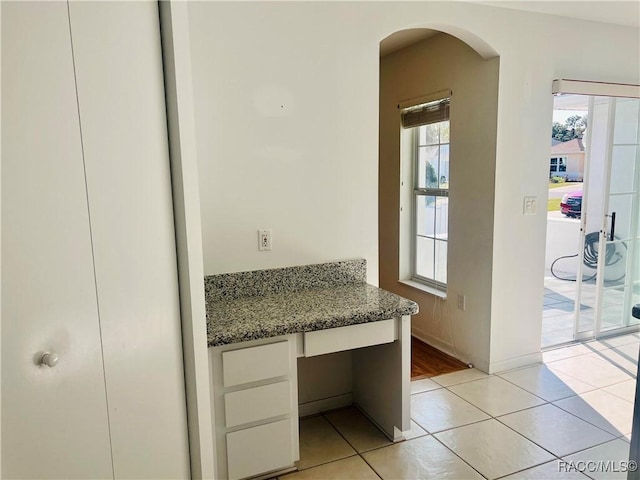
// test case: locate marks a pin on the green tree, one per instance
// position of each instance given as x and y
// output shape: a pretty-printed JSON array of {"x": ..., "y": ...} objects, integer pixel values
[
  {"x": 432, "y": 176},
  {"x": 573, "y": 127}
]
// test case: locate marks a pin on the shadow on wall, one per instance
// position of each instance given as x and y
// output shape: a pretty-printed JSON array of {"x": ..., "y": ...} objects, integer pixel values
[{"x": 416, "y": 63}]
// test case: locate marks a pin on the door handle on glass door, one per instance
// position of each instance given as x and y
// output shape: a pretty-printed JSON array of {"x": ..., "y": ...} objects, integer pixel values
[{"x": 613, "y": 226}]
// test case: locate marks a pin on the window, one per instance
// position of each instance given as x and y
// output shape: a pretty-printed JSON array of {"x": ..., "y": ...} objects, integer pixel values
[
  {"x": 558, "y": 165},
  {"x": 429, "y": 126}
]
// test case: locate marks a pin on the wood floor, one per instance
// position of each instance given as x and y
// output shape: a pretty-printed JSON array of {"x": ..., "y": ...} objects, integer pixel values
[{"x": 427, "y": 361}]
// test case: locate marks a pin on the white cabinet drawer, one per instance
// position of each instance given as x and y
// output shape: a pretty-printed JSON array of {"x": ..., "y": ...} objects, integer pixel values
[
  {"x": 257, "y": 403},
  {"x": 347, "y": 338},
  {"x": 255, "y": 363},
  {"x": 259, "y": 449}
]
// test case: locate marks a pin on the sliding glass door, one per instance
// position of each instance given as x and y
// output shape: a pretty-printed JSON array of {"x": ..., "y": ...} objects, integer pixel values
[
  {"x": 608, "y": 282},
  {"x": 599, "y": 220},
  {"x": 619, "y": 273}
]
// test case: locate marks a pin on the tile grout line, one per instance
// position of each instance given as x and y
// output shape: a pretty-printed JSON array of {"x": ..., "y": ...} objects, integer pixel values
[
  {"x": 556, "y": 457},
  {"x": 358, "y": 453},
  {"x": 516, "y": 432},
  {"x": 462, "y": 459},
  {"x": 490, "y": 415},
  {"x": 547, "y": 402},
  {"x": 585, "y": 420},
  {"x": 439, "y": 386},
  {"x": 322, "y": 415},
  {"x": 575, "y": 394},
  {"x": 371, "y": 466}
]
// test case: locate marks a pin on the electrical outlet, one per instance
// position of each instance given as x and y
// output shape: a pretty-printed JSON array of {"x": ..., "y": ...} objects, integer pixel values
[
  {"x": 462, "y": 302},
  {"x": 264, "y": 240}
]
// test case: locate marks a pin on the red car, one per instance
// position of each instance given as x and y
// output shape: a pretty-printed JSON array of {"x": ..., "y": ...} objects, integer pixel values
[{"x": 571, "y": 204}]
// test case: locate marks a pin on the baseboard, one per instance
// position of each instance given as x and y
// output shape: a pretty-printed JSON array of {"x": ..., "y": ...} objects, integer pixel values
[
  {"x": 397, "y": 434},
  {"x": 437, "y": 343},
  {"x": 515, "y": 362},
  {"x": 325, "y": 404},
  {"x": 447, "y": 348},
  {"x": 501, "y": 366}
]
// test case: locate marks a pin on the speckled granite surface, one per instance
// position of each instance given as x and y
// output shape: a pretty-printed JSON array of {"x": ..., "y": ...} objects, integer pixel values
[
  {"x": 268, "y": 303},
  {"x": 228, "y": 286}
]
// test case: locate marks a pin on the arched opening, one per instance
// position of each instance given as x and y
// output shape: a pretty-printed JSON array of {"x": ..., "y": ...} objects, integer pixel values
[
  {"x": 407, "y": 37},
  {"x": 436, "y": 232}
]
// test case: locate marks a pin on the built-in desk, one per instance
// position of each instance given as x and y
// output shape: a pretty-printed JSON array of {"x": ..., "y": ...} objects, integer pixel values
[{"x": 260, "y": 323}]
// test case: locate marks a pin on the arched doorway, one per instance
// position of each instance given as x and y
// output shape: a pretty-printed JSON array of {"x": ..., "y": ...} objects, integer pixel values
[{"x": 449, "y": 225}]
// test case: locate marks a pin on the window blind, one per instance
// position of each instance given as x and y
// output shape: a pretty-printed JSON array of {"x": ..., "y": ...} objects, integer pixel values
[{"x": 425, "y": 114}]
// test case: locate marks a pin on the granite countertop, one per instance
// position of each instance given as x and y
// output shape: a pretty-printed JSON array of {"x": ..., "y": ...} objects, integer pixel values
[{"x": 267, "y": 303}]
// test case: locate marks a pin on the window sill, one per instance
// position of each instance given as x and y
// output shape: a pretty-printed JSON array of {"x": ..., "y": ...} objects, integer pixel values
[{"x": 424, "y": 288}]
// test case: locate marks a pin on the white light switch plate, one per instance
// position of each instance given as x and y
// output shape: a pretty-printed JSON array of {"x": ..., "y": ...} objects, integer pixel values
[{"x": 530, "y": 205}]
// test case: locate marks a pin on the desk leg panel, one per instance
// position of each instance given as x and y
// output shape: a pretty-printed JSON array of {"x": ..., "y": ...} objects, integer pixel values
[{"x": 381, "y": 382}]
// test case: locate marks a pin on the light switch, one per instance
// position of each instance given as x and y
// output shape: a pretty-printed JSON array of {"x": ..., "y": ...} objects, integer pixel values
[{"x": 530, "y": 205}]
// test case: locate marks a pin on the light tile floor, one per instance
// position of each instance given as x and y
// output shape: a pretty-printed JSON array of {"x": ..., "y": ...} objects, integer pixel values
[{"x": 541, "y": 422}]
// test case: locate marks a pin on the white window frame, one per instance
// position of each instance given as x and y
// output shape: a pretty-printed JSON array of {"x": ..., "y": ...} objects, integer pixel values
[
  {"x": 410, "y": 191},
  {"x": 561, "y": 161},
  {"x": 422, "y": 193}
]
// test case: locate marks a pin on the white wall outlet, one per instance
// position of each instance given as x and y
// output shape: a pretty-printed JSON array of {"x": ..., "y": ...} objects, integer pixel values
[
  {"x": 264, "y": 240},
  {"x": 462, "y": 302},
  {"x": 530, "y": 205}
]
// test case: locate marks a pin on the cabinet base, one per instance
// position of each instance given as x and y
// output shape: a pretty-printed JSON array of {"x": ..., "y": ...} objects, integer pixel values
[{"x": 275, "y": 473}]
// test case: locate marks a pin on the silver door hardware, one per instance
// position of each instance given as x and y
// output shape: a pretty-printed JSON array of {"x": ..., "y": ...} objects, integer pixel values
[{"x": 49, "y": 359}]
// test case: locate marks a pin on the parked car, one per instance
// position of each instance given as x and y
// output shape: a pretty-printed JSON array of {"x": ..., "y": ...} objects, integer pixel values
[{"x": 571, "y": 204}]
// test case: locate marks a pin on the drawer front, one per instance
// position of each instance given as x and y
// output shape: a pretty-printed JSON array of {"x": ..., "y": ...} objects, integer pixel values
[
  {"x": 259, "y": 403},
  {"x": 255, "y": 363},
  {"x": 347, "y": 338},
  {"x": 259, "y": 449}
]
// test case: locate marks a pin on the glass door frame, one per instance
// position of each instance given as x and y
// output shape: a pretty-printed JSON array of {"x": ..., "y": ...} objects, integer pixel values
[
  {"x": 579, "y": 335},
  {"x": 597, "y": 332},
  {"x": 607, "y": 231}
]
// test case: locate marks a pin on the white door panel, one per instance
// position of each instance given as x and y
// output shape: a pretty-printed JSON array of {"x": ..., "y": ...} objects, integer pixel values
[
  {"x": 121, "y": 96},
  {"x": 54, "y": 420}
]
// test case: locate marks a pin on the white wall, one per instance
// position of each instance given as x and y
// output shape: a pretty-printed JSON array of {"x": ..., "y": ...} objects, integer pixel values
[
  {"x": 176, "y": 51},
  {"x": 443, "y": 62},
  {"x": 286, "y": 99},
  {"x": 286, "y": 120},
  {"x": 563, "y": 239}
]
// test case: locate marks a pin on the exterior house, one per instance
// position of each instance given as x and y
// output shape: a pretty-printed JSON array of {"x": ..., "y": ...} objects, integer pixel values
[
  {"x": 279, "y": 108},
  {"x": 567, "y": 160}
]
